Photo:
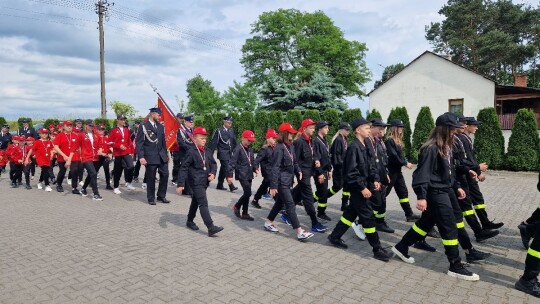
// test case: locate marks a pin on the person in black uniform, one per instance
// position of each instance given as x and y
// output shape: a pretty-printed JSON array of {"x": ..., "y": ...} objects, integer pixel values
[
  {"x": 323, "y": 173},
  {"x": 304, "y": 153},
  {"x": 284, "y": 168},
  {"x": 152, "y": 152},
  {"x": 5, "y": 137},
  {"x": 357, "y": 172},
  {"x": 474, "y": 190},
  {"x": 338, "y": 150},
  {"x": 263, "y": 160},
  {"x": 199, "y": 167},
  {"x": 224, "y": 140},
  {"x": 466, "y": 167},
  {"x": 242, "y": 165},
  {"x": 27, "y": 130},
  {"x": 184, "y": 138},
  {"x": 434, "y": 184},
  {"x": 528, "y": 282},
  {"x": 396, "y": 160}
]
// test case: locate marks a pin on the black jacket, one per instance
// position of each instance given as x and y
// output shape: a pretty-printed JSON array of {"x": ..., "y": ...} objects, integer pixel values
[
  {"x": 470, "y": 160},
  {"x": 242, "y": 163},
  {"x": 321, "y": 153},
  {"x": 284, "y": 166},
  {"x": 224, "y": 141},
  {"x": 462, "y": 162},
  {"x": 151, "y": 146},
  {"x": 30, "y": 132},
  {"x": 396, "y": 160},
  {"x": 384, "y": 160},
  {"x": 303, "y": 151},
  {"x": 185, "y": 141},
  {"x": 264, "y": 160},
  {"x": 357, "y": 170},
  {"x": 5, "y": 140},
  {"x": 193, "y": 168},
  {"x": 433, "y": 172},
  {"x": 374, "y": 156},
  {"x": 337, "y": 152}
]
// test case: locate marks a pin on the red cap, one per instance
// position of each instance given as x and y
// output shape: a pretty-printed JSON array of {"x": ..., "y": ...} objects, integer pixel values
[
  {"x": 307, "y": 122},
  {"x": 30, "y": 139},
  {"x": 43, "y": 130},
  {"x": 286, "y": 127},
  {"x": 15, "y": 137},
  {"x": 52, "y": 126},
  {"x": 67, "y": 123},
  {"x": 271, "y": 133},
  {"x": 54, "y": 133},
  {"x": 200, "y": 131},
  {"x": 60, "y": 125},
  {"x": 249, "y": 135}
]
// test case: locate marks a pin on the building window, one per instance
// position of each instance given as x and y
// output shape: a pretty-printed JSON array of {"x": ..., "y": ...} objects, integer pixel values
[{"x": 455, "y": 105}]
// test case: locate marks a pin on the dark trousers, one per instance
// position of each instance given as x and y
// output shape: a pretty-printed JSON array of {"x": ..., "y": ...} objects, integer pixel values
[
  {"x": 176, "y": 164},
  {"x": 26, "y": 171},
  {"x": 321, "y": 193},
  {"x": 397, "y": 181},
  {"x": 284, "y": 198},
  {"x": 75, "y": 171},
  {"x": 532, "y": 261},
  {"x": 439, "y": 212},
  {"x": 105, "y": 162},
  {"x": 32, "y": 166},
  {"x": 125, "y": 163},
  {"x": 61, "y": 173},
  {"x": 463, "y": 236},
  {"x": 137, "y": 169},
  {"x": 91, "y": 177},
  {"x": 358, "y": 207},
  {"x": 243, "y": 201},
  {"x": 302, "y": 192},
  {"x": 337, "y": 184},
  {"x": 44, "y": 175},
  {"x": 15, "y": 171},
  {"x": 466, "y": 207},
  {"x": 535, "y": 216},
  {"x": 477, "y": 200},
  {"x": 263, "y": 189},
  {"x": 378, "y": 203},
  {"x": 51, "y": 168},
  {"x": 223, "y": 169},
  {"x": 198, "y": 201},
  {"x": 150, "y": 177}
]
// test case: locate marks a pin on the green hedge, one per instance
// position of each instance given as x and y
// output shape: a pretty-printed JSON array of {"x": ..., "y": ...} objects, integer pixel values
[
  {"x": 489, "y": 140},
  {"x": 3, "y": 121},
  {"x": 19, "y": 121},
  {"x": 351, "y": 114},
  {"x": 245, "y": 121},
  {"x": 524, "y": 143},
  {"x": 313, "y": 114},
  {"x": 275, "y": 118},
  {"x": 373, "y": 114},
  {"x": 294, "y": 117},
  {"x": 422, "y": 128},
  {"x": 206, "y": 121},
  {"x": 106, "y": 122},
  {"x": 261, "y": 124},
  {"x": 401, "y": 113},
  {"x": 49, "y": 121}
]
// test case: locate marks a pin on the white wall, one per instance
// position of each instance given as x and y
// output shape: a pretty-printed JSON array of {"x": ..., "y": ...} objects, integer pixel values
[{"x": 432, "y": 81}]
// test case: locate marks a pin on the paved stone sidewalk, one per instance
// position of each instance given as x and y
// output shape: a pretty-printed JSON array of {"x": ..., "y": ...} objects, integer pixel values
[{"x": 62, "y": 248}]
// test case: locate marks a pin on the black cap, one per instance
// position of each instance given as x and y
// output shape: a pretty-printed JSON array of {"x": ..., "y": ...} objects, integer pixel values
[
  {"x": 137, "y": 122},
  {"x": 358, "y": 122},
  {"x": 180, "y": 115},
  {"x": 448, "y": 119},
  {"x": 189, "y": 118},
  {"x": 227, "y": 118},
  {"x": 121, "y": 116},
  {"x": 344, "y": 126},
  {"x": 461, "y": 117},
  {"x": 472, "y": 121},
  {"x": 89, "y": 122},
  {"x": 77, "y": 120},
  {"x": 321, "y": 124},
  {"x": 155, "y": 110},
  {"x": 25, "y": 121},
  {"x": 377, "y": 122},
  {"x": 397, "y": 123}
]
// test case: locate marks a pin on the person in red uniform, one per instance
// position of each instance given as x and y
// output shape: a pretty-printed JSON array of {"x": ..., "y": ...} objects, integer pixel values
[
  {"x": 106, "y": 155},
  {"x": 3, "y": 160},
  {"x": 15, "y": 157},
  {"x": 91, "y": 147},
  {"x": 122, "y": 145},
  {"x": 42, "y": 149},
  {"x": 62, "y": 146}
]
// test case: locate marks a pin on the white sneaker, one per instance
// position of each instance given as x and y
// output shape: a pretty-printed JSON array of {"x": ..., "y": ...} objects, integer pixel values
[
  {"x": 130, "y": 187},
  {"x": 359, "y": 231},
  {"x": 143, "y": 186},
  {"x": 117, "y": 191},
  {"x": 270, "y": 227},
  {"x": 405, "y": 258},
  {"x": 81, "y": 183},
  {"x": 304, "y": 235},
  {"x": 68, "y": 181},
  {"x": 48, "y": 188},
  {"x": 40, "y": 186}
]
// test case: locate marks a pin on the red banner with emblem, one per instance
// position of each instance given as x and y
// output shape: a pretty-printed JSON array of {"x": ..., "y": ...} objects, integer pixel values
[{"x": 171, "y": 124}]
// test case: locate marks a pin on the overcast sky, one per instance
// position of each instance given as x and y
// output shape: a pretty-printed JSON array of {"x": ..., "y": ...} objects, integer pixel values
[{"x": 49, "y": 49}]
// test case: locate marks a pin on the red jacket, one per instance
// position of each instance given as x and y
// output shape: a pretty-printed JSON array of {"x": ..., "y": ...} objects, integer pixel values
[
  {"x": 89, "y": 150},
  {"x": 14, "y": 153},
  {"x": 3, "y": 158},
  {"x": 116, "y": 139},
  {"x": 42, "y": 149},
  {"x": 65, "y": 142}
]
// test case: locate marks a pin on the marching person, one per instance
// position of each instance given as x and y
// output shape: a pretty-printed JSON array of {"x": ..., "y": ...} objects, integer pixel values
[
  {"x": 242, "y": 165},
  {"x": 263, "y": 160},
  {"x": 122, "y": 145},
  {"x": 62, "y": 146},
  {"x": 105, "y": 156},
  {"x": 284, "y": 168},
  {"x": 137, "y": 166},
  {"x": 78, "y": 128},
  {"x": 338, "y": 150},
  {"x": 91, "y": 148},
  {"x": 27, "y": 167},
  {"x": 42, "y": 149},
  {"x": 303, "y": 149},
  {"x": 52, "y": 137},
  {"x": 323, "y": 172},
  {"x": 27, "y": 130},
  {"x": 175, "y": 150},
  {"x": 3, "y": 161},
  {"x": 14, "y": 154},
  {"x": 396, "y": 160},
  {"x": 435, "y": 186},
  {"x": 526, "y": 229},
  {"x": 356, "y": 174},
  {"x": 184, "y": 138},
  {"x": 5, "y": 137},
  {"x": 199, "y": 167},
  {"x": 152, "y": 152},
  {"x": 224, "y": 140}
]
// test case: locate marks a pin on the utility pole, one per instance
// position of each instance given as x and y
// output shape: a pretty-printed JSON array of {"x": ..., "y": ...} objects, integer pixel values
[{"x": 102, "y": 9}]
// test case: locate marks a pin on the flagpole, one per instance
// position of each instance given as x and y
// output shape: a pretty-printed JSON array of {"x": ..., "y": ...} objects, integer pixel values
[{"x": 162, "y": 99}]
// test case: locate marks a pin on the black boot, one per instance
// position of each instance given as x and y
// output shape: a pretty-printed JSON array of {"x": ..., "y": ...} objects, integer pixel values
[
  {"x": 531, "y": 287},
  {"x": 232, "y": 188}
]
